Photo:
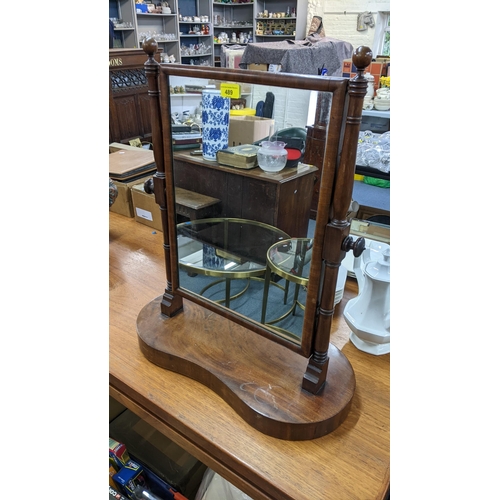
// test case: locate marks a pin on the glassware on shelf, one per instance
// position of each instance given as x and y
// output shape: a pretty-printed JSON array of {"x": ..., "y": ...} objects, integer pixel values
[{"x": 159, "y": 37}]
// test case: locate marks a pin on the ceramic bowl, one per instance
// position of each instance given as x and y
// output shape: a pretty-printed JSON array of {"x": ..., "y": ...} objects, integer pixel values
[{"x": 382, "y": 107}]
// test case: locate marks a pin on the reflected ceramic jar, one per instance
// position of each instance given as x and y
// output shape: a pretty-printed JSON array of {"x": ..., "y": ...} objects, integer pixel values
[
  {"x": 272, "y": 156},
  {"x": 215, "y": 123},
  {"x": 370, "y": 91}
]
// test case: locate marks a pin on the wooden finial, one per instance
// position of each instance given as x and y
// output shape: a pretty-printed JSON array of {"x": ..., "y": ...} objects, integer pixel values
[
  {"x": 150, "y": 46},
  {"x": 362, "y": 57}
]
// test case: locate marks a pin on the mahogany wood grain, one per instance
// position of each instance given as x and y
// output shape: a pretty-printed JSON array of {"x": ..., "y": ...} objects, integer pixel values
[
  {"x": 350, "y": 463},
  {"x": 258, "y": 378},
  {"x": 335, "y": 206},
  {"x": 129, "y": 109},
  {"x": 281, "y": 199},
  {"x": 344, "y": 114}
]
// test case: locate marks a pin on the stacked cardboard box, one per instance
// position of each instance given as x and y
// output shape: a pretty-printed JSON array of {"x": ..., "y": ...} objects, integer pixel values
[
  {"x": 146, "y": 210},
  {"x": 123, "y": 203},
  {"x": 249, "y": 129}
]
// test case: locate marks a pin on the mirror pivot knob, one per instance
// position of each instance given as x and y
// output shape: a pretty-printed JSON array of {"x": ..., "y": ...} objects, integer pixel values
[{"x": 357, "y": 246}]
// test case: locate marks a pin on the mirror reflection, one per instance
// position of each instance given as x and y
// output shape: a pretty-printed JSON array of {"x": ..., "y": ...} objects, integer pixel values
[{"x": 243, "y": 198}]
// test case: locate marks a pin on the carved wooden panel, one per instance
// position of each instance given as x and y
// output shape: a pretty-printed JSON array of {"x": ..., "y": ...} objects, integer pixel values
[
  {"x": 127, "y": 117},
  {"x": 129, "y": 109}
]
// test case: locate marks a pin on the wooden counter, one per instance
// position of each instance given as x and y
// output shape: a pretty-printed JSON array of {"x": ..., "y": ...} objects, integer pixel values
[
  {"x": 350, "y": 463},
  {"x": 282, "y": 200}
]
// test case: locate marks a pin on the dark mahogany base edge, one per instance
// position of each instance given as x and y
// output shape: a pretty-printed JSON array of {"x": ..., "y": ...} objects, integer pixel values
[{"x": 207, "y": 347}]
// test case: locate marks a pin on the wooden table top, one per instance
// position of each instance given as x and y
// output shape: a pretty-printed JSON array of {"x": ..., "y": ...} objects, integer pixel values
[
  {"x": 277, "y": 177},
  {"x": 350, "y": 463}
]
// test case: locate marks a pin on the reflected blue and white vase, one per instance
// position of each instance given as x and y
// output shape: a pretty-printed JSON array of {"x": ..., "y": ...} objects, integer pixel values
[
  {"x": 215, "y": 123},
  {"x": 210, "y": 258}
]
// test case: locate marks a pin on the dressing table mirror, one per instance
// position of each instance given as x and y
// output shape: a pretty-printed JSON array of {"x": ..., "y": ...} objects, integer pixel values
[{"x": 252, "y": 244}]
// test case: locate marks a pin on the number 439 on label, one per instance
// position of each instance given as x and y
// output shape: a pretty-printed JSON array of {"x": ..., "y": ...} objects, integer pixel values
[{"x": 230, "y": 90}]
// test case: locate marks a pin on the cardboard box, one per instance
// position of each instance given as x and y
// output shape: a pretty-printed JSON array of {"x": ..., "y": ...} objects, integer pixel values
[
  {"x": 118, "y": 454},
  {"x": 129, "y": 477},
  {"x": 114, "y": 495},
  {"x": 146, "y": 210},
  {"x": 249, "y": 129},
  {"x": 258, "y": 67},
  {"x": 231, "y": 56},
  {"x": 123, "y": 203}
]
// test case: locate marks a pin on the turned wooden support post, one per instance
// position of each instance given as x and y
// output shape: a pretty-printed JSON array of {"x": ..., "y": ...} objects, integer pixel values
[
  {"x": 337, "y": 240},
  {"x": 171, "y": 303}
]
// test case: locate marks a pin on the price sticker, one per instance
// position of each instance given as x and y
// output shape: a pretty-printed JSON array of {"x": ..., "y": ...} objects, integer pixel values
[{"x": 230, "y": 90}]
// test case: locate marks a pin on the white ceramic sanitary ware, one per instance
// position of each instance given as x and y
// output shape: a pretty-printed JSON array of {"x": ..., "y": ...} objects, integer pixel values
[
  {"x": 381, "y": 107},
  {"x": 368, "y": 314},
  {"x": 383, "y": 100}
]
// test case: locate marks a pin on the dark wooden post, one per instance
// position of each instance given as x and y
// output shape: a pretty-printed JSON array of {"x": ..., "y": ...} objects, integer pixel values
[
  {"x": 315, "y": 143},
  {"x": 171, "y": 303},
  {"x": 337, "y": 240}
]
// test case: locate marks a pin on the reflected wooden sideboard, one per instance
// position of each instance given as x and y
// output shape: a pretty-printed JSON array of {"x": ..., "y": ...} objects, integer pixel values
[
  {"x": 282, "y": 199},
  {"x": 350, "y": 463}
]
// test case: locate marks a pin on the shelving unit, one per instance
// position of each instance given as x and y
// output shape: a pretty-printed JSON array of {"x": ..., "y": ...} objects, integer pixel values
[
  {"x": 376, "y": 121},
  {"x": 164, "y": 27},
  {"x": 377, "y": 113},
  {"x": 232, "y": 18},
  {"x": 125, "y": 10},
  {"x": 172, "y": 31},
  {"x": 196, "y": 47},
  {"x": 195, "y": 34},
  {"x": 289, "y": 26}
]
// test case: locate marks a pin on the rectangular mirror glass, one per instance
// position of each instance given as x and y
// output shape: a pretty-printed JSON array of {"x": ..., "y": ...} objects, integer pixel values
[{"x": 244, "y": 235}]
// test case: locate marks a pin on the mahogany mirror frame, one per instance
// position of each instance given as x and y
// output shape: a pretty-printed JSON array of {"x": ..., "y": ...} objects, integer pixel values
[{"x": 331, "y": 237}]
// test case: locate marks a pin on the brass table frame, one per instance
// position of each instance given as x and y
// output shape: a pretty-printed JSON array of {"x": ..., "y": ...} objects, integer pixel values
[
  {"x": 301, "y": 260},
  {"x": 227, "y": 275}
]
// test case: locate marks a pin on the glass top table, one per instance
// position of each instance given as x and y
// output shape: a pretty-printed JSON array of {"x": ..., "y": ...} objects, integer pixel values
[
  {"x": 289, "y": 259},
  {"x": 226, "y": 248}
]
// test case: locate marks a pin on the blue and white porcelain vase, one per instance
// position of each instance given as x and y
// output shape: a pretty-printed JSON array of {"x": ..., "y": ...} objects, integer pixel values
[
  {"x": 215, "y": 123},
  {"x": 210, "y": 258}
]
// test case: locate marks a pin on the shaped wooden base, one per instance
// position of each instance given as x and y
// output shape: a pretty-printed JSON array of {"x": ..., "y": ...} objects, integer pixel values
[{"x": 260, "y": 379}]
